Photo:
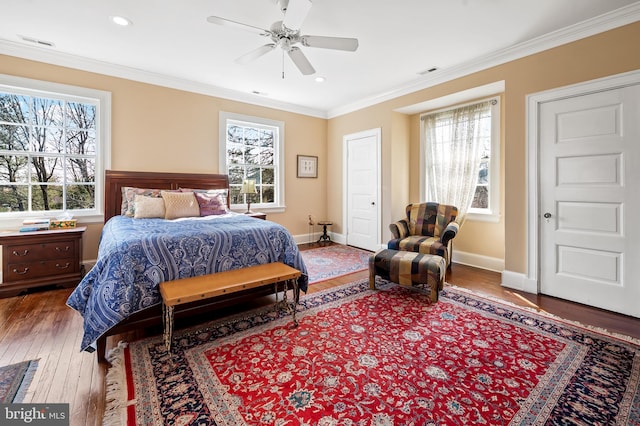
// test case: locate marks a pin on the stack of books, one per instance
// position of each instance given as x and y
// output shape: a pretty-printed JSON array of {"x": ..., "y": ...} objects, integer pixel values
[{"x": 29, "y": 225}]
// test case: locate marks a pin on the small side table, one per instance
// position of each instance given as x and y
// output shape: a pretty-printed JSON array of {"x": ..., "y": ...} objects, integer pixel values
[{"x": 324, "y": 237}]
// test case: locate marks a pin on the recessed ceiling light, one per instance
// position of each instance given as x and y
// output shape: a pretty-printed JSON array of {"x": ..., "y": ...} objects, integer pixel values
[
  {"x": 320, "y": 79},
  {"x": 121, "y": 20}
]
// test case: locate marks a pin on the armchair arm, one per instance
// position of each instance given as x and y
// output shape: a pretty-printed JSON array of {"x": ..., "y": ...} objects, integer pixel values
[
  {"x": 449, "y": 232},
  {"x": 399, "y": 229}
]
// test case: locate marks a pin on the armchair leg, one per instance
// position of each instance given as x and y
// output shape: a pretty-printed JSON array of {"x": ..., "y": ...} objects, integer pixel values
[{"x": 372, "y": 279}]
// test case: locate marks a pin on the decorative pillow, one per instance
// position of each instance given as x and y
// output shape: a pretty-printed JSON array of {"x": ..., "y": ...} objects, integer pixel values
[
  {"x": 211, "y": 203},
  {"x": 129, "y": 195},
  {"x": 180, "y": 204},
  {"x": 210, "y": 199},
  {"x": 148, "y": 207}
]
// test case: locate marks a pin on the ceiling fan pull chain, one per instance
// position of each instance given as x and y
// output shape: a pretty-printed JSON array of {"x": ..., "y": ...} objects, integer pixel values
[{"x": 283, "y": 64}]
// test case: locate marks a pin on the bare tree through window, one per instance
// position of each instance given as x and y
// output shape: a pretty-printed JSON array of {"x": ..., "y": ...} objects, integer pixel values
[{"x": 47, "y": 153}]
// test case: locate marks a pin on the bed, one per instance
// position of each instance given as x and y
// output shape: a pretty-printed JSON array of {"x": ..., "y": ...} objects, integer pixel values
[{"x": 120, "y": 293}]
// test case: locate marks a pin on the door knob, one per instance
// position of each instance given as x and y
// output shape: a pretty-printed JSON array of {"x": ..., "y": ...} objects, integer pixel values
[
  {"x": 547, "y": 215},
  {"x": 373, "y": 203}
]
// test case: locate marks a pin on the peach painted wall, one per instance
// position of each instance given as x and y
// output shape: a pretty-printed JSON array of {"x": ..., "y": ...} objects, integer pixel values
[
  {"x": 160, "y": 129},
  {"x": 602, "y": 55}
]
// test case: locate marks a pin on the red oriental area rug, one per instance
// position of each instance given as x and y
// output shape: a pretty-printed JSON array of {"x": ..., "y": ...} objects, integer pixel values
[
  {"x": 333, "y": 261},
  {"x": 384, "y": 357}
]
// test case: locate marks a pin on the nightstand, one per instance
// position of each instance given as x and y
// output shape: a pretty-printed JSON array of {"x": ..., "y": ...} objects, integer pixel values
[
  {"x": 40, "y": 258},
  {"x": 257, "y": 215}
]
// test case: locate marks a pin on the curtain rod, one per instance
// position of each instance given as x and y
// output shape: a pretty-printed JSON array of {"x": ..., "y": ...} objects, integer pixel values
[{"x": 492, "y": 99}]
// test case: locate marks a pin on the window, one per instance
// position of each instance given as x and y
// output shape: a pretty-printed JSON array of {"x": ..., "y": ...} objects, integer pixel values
[
  {"x": 53, "y": 150},
  {"x": 251, "y": 148},
  {"x": 450, "y": 138}
]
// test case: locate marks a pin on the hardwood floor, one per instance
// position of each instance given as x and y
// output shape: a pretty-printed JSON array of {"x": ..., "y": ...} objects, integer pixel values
[{"x": 40, "y": 325}]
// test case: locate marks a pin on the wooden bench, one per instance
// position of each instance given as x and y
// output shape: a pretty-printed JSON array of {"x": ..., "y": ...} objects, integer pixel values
[{"x": 203, "y": 287}]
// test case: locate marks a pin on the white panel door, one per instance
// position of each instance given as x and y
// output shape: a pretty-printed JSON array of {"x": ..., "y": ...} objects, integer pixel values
[
  {"x": 590, "y": 199},
  {"x": 363, "y": 182}
]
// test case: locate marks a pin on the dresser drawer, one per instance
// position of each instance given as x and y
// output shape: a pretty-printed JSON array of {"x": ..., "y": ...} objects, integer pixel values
[
  {"x": 44, "y": 251},
  {"x": 24, "y": 271}
]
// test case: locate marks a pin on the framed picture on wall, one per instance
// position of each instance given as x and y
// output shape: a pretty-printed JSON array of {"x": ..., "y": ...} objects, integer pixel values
[{"x": 307, "y": 166}]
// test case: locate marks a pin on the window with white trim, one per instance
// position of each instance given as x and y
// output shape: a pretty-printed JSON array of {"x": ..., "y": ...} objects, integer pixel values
[
  {"x": 252, "y": 148},
  {"x": 486, "y": 199},
  {"x": 54, "y": 147}
]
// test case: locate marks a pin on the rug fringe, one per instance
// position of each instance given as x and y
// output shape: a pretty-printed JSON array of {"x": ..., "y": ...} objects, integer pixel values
[
  {"x": 116, "y": 388},
  {"x": 599, "y": 330},
  {"x": 26, "y": 381}
]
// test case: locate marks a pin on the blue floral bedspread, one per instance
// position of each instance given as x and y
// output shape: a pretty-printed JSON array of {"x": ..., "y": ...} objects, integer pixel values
[{"x": 135, "y": 255}]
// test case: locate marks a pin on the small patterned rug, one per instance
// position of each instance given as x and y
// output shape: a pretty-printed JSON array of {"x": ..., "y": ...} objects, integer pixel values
[
  {"x": 15, "y": 380},
  {"x": 335, "y": 260},
  {"x": 380, "y": 357}
]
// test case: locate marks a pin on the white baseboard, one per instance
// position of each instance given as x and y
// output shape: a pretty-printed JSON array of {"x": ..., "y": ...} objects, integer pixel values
[
  {"x": 478, "y": 261},
  {"x": 312, "y": 238},
  {"x": 519, "y": 281}
]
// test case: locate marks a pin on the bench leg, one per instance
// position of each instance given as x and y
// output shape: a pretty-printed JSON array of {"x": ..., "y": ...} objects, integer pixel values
[
  {"x": 284, "y": 304},
  {"x": 296, "y": 295},
  {"x": 167, "y": 320}
]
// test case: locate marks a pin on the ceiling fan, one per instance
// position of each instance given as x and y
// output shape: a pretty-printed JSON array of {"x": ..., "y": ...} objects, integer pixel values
[{"x": 286, "y": 35}]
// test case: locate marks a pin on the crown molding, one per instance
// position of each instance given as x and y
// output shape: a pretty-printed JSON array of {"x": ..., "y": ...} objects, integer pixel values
[
  {"x": 53, "y": 57},
  {"x": 617, "y": 18}
]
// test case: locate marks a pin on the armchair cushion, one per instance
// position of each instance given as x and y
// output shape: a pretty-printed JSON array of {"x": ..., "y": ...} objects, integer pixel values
[{"x": 419, "y": 244}]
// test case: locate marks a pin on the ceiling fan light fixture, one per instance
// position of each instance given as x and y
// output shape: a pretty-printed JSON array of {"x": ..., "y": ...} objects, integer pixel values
[
  {"x": 320, "y": 79},
  {"x": 286, "y": 35}
]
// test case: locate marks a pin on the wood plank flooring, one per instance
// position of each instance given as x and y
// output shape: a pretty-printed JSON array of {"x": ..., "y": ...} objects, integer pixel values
[{"x": 40, "y": 325}]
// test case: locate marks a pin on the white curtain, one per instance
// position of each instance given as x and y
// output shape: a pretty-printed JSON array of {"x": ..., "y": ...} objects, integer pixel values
[{"x": 452, "y": 155}]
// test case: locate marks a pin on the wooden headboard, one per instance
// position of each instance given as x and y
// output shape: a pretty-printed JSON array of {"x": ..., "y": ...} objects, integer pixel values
[{"x": 116, "y": 179}]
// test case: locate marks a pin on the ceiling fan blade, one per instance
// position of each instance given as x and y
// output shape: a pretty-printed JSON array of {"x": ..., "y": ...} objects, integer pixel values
[
  {"x": 229, "y": 23},
  {"x": 255, "y": 54},
  {"x": 301, "y": 61},
  {"x": 297, "y": 11},
  {"x": 338, "y": 43}
]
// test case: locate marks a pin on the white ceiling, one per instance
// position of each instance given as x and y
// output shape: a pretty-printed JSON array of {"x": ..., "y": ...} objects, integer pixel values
[{"x": 171, "y": 43}]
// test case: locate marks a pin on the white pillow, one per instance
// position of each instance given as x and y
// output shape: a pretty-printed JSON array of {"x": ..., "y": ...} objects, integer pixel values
[{"x": 148, "y": 207}]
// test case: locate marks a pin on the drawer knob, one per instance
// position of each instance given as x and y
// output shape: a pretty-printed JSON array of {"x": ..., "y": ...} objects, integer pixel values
[
  {"x": 58, "y": 249},
  {"x": 24, "y": 253},
  {"x": 63, "y": 267},
  {"x": 15, "y": 271}
]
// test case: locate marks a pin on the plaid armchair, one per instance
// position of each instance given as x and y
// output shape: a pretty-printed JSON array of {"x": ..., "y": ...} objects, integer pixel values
[{"x": 428, "y": 228}]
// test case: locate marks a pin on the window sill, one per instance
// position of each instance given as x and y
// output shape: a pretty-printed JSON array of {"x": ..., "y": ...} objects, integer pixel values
[
  {"x": 484, "y": 217},
  {"x": 15, "y": 220},
  {"x": 241, "y": 208}
]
